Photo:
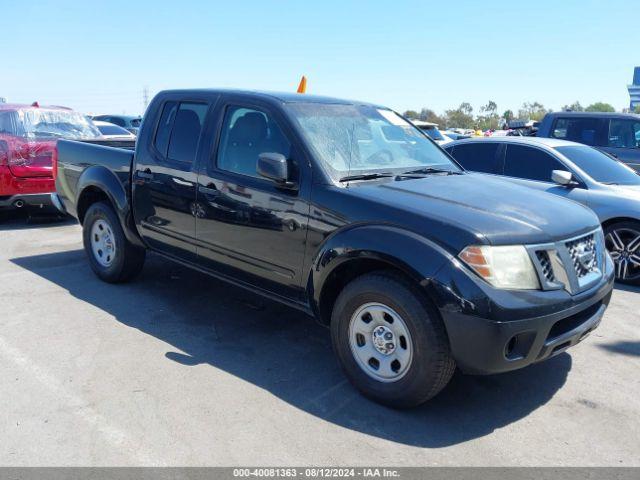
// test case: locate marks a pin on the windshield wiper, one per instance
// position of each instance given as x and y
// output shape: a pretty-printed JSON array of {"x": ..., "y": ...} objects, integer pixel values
[
  {"x": 366, "y": 176},
  {"x": 430, "y": 170}
]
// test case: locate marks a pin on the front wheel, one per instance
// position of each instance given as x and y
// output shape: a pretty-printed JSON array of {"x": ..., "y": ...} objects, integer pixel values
[
  {"x": 112, "y": 257},
  {"x": 390, "y": 341},
  {"x": 622, "y": 240}
]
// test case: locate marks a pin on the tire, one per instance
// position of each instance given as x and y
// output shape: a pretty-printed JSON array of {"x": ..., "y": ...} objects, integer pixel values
[
  {"x": 622, "y": 240},
  {"x": 112, "y": 257},
  {"x": 425, "y": 364}
]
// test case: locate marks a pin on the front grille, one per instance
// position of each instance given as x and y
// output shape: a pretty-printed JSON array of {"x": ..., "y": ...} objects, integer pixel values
[
  {"x": 583, "y": 255},
  {"x": 545, "y": 264},
  {"x": 574, "y": 264}
]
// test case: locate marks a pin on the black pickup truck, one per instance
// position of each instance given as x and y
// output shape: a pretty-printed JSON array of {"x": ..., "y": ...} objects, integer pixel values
[{"x": 346, "y": 211}]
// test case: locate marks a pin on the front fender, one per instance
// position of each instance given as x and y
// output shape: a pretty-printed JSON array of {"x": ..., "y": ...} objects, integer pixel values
[{"x": 417, "y": 256}]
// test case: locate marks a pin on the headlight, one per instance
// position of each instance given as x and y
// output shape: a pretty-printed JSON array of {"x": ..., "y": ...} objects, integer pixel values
[{"x": 507, "y": 267}]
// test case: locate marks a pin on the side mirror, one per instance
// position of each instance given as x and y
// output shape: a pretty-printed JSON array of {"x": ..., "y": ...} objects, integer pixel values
[
  {"x": 275, "y": 166},
  {"x": 562, "y": 177}
]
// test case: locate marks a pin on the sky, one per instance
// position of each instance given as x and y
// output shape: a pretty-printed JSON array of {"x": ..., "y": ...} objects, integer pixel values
[{"x": 98, "y": 57}]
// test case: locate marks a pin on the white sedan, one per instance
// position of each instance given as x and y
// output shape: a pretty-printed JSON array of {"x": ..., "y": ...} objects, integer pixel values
[{"x": 113, "y": 132}]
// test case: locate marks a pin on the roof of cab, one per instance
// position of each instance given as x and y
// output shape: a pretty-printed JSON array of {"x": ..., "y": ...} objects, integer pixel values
[
  {"x": 595, "y": 114},
  {"x": 284, "y": 97}
]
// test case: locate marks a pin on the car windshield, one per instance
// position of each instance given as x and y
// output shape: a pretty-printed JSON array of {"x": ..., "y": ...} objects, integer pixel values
[
  {"x": 113, "y": 130},
  {"x": 38, "y": 123},
  {"x": 602, "y": 168},
  {"x": 433, "y": 133},
  {"x": 359, "y": 139}
]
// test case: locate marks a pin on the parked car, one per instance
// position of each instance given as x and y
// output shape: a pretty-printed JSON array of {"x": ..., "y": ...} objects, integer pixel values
[
  {"x": 114, "y": 132},
  {"x": 28, "y": 136},
  {"x": 347, "y": 212},
  {"x": 431, "y": 129},
  {"x": 455, "y": 135},
  {"x": 617, "y": 134},
  {"x": 575, "y": 171},
  {"x": 128, "y": 122}
]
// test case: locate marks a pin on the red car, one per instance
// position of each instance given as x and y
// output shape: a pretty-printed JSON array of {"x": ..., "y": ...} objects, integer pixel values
[{"x": 28, "y": 136}]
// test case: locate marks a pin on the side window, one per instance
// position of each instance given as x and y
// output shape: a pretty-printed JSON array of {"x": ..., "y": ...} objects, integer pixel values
[
  {"x": 179, "y": 129},
  {"x": 624, "y": 134},
  {"x": 163, "y": 131},
  {"x": 185, "y": 133},
  {"x": 117, "y": 121},
  {"x": 477, "y": 157},
  {"x": 578, "y": 129},
  {"x": 246, "y": 133},
  {"x": 530, "y": 163}
]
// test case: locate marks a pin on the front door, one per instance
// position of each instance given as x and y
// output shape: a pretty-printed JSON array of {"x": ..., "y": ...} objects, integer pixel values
[
  {"x": 247, "y": 226},
  {"x": 532, "y": 167},
  {"x": 623, "y": 141},
  {"x": 165, "y": 179}
]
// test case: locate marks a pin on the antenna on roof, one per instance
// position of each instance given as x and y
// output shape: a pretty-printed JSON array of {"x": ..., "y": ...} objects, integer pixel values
[{"x": 302, "y": 87}]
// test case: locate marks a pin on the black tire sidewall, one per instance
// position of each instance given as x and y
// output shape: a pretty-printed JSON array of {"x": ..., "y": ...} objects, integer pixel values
[
  {"x": 102, "y": 211},
  {"x": 414, "y": 387}
]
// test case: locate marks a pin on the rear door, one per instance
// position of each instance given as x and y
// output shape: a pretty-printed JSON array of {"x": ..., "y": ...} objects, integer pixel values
[
  {"x": 532, "y": 166},
  {"x": 483, "y": 157},
  {"x": 165, "y": 177},
  {"x": 623, "y": 141}
]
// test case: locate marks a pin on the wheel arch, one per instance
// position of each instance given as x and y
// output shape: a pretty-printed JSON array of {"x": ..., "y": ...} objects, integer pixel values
[
  {"x": 355, "y": 251},
  {"x": 98, "y": 184}
]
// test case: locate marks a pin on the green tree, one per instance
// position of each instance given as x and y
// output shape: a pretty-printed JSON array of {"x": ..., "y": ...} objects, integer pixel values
[
  {"x": 637, "y": 109},
  {"x": 507, "y": 116},
  {"x": 489, "y": 118},
  {"x": 428, "y": 115},
  {"x": 574, "y": 107},
  {"x": 532, "y": 111},
  {"x": 600, "y": 107},
  {"x": 411, "y": 114},
  {"x": 461, "y": 117}
]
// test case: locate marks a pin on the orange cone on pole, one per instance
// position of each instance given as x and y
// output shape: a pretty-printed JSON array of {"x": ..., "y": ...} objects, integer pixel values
[{"x": 302, "y": 88}]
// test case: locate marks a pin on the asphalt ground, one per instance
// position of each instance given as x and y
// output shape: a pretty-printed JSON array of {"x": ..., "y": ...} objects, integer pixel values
[{"x": 180, "y": 369}]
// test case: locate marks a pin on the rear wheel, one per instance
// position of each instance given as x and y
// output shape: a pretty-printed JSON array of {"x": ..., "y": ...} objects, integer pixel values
[
  {"x": 622, "y": 240},
  {"x": 111, "y": 256},
  {"x": 390, "y": 340}
]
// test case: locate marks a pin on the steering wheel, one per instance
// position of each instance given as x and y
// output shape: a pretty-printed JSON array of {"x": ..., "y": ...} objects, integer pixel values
[{"x": 382, "y": 157}]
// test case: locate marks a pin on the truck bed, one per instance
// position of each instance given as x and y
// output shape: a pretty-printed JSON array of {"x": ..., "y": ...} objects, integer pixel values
[{"x": 87, "y": 162}]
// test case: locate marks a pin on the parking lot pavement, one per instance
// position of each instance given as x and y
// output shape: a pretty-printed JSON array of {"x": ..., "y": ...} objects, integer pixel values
[{"x": 180, "y": 369}]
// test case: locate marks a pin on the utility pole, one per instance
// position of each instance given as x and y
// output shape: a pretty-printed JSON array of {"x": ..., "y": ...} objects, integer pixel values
[{"x": 145, "y": 97}]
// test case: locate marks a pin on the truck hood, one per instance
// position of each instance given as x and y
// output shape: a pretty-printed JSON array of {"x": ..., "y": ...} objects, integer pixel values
[{"x": 494, "y": 211}]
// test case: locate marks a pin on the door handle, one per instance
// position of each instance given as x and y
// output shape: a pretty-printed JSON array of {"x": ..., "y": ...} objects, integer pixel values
[
  {"x": 182, "y": 182},
  {"x": 147, "y": 174},
  {"x": 209, "y": 189}
]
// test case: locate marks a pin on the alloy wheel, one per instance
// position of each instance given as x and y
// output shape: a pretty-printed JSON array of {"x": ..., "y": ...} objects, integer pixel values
[{"x": 623, "y": 244}]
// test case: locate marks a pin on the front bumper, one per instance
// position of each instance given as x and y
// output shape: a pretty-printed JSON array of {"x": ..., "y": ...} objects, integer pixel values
[{"x": 492, "y": 331}]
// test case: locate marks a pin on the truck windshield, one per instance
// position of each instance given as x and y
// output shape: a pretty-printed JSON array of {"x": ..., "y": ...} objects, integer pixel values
[
  {"x": 39, "y": 123},
  {"x": 602, "y": 168},
  {"x": 360, "y": 139}
]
